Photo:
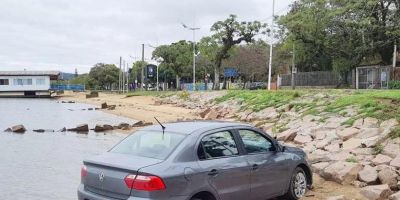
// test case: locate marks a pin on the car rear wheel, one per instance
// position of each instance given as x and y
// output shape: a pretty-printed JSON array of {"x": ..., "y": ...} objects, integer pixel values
[{"x": 298, "y": 185}]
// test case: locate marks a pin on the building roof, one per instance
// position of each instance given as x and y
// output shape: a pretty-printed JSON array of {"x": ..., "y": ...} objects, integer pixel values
[
  {"x": 53, "y": 74},
  {"x": 193, "y": 126}
]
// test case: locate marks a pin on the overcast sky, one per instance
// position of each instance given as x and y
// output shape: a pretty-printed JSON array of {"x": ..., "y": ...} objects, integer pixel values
[{"x": 68, "y": 34}]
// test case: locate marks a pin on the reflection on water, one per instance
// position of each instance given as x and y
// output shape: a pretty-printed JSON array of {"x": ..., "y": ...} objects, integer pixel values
[{"x": 47, "y": 165}]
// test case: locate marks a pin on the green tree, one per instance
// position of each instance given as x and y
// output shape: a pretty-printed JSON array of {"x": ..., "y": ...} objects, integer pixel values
[
  {"x": 104, "y": 75},
  {"x": 227, "y": 34},
  {"x": 176, "y": 56}
]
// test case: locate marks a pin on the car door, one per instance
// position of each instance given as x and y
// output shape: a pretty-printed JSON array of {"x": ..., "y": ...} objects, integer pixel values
[
  {"x": 226, "y": 169},
  {"x": 269, "y": 167}
]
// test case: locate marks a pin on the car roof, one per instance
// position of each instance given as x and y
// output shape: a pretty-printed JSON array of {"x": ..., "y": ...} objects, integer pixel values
[{"x": 189, "y": 127}]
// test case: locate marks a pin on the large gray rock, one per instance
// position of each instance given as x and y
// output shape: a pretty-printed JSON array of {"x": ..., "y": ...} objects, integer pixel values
[
  {"x": 302, "y": 139},
  {"x": 352, "y": 143},
  {"x": 342, "y": 172},
  {"x": 395, "y": 196},
  {"x": 391, "y": 149},
  {"x": 389, "y": 124},
  {"x": 389, "y": 177},
  {"x": 371, "y": 123},
  {"x": 368, "y": 175},
  {"x": 376, "y": 192},
  {"x": 368, "y": 133},
  {"x": 319, "y": 167},
  {"x": 287, "y": 135},
  {"x": 18, "y": 129},
  {"x": 396, "y": 162},
  {"x": 347, "y": 133},
  {"x": 381, "y": 160},
  {"x": 82, "y": 128}
]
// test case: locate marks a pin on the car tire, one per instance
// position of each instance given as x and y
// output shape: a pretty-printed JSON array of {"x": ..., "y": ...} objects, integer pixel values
[{"x": 298, "y": 185}]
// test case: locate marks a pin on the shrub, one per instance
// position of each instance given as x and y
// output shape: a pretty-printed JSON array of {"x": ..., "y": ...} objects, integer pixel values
[
  {"x": 394, "y": 84},
  {"x": 378, "y": 149}
]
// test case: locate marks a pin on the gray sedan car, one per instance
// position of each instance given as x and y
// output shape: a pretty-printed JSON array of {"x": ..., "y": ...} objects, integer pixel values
[{"x": 203, "y": 160}]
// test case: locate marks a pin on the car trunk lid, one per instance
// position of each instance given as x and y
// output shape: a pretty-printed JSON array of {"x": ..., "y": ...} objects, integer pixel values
[{"x": 106, "y": 173}]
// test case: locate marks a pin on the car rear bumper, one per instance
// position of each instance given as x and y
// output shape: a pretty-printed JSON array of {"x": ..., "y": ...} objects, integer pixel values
[{"x": 86, "y": 195}]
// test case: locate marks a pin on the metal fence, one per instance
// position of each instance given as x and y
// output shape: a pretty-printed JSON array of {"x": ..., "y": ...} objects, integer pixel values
[
  {"x": 313, "y": 79},
  {"x": 64, "y": 87}
]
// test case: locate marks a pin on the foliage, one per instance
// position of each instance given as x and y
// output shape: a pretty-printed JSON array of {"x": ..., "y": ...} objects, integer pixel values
[
  {"x": 394, "y": 84},
  {"x": 352, "y": 160},
  {"x": 378, "y": 149},
  {"x": 395, "y": 133},
  {"x": 104, "y": 75},
  {"x": 226, "y": 35}
]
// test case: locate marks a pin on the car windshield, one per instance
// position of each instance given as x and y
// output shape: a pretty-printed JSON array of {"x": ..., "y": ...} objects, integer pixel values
[{"x": 151, "y": 144}]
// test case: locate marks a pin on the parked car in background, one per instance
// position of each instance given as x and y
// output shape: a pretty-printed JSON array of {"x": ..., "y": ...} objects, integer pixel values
[
  {"x": 203, "y": 160},
  {"x": 257, "y": 86}
]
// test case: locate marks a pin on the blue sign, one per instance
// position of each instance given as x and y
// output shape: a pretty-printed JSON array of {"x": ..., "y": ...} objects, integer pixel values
[{"x": 230, "y": 72}]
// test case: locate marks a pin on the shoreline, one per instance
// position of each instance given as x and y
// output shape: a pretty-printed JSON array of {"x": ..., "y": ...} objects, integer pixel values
[{"x": 140, "y": 108}]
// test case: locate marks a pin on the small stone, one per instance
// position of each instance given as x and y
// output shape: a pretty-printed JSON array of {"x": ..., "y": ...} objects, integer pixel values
[
  {"x": 18, "y": 129},
  {"x": 368, "y": 175},
  {"x": 104, "y": 105},
  {"x": 302, "y": 139},
  {"x": 376, "y": 192}
]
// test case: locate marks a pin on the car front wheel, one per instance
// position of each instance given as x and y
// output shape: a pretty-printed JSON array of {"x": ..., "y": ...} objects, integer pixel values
[{"x": 298, "y": 185}]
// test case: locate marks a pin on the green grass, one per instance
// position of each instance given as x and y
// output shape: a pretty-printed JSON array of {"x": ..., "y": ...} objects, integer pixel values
[
  {"x": 382, "y": 105},
  {"x": 395, "y": 133},
  {"x": 352, "y": 160},
  {"x": 378, "y": 149},
  {"x": 259, "y": 100}
]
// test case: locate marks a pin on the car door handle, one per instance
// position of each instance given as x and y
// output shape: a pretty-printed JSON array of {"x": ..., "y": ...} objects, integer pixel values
[
  {"x": 254, "y": 167},
  {"x": 213, "y": 172}
]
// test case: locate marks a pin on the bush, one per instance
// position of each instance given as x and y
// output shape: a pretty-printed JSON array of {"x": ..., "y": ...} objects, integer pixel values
[{"x": 394, "y": 84}]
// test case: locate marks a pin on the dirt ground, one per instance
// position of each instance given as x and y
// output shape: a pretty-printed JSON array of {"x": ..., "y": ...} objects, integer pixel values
[{"x": 144, "y": 108}]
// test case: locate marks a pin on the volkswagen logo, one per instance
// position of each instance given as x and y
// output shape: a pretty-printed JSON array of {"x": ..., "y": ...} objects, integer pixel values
[{"x": 101, "y": 177}]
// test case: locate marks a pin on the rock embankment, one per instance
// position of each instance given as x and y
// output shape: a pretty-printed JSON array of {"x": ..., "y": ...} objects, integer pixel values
[{"x": 360, "y": 153}]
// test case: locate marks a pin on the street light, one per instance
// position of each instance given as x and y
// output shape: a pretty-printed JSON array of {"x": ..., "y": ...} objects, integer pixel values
[
  {"x": 194, "y": 52},
  {"x": 270, "y": 47}
]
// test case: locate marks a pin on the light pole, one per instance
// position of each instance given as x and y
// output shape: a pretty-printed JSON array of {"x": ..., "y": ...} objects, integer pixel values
[
  {"x": 194, "y": 52},
  {"x": 270, "y": 45}
]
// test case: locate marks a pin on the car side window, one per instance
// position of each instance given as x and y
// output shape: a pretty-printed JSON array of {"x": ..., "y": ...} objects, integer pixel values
[
  {"x": 220, "y": 144},
  {"x": 254, "y": 142}
]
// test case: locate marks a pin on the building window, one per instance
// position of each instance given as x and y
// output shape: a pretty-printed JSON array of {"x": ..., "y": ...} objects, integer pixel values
[
  {"x": 20, "y": 81},
  {"x": 4, "y": 82},
  {"x": 40, "y": 81}
]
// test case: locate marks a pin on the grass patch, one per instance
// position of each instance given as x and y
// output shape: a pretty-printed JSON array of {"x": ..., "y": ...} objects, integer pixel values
[
  {"x": 382, "y": 105},
  {"x": 349, "y": 122},
  {"x": 261, "y": 99},
  {"x": 352, "y": 160},
  {"x": 395, "y": 133},
  {"x": 378, "y": 149}
]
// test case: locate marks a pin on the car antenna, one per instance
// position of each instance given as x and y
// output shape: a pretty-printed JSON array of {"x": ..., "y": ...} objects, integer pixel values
[{"x": 162, "y": 126}]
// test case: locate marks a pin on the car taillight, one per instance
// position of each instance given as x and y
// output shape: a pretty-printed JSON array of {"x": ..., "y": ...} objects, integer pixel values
[
  {"x": 84, "y": 171},
  {"x": 146, "y": 183}
]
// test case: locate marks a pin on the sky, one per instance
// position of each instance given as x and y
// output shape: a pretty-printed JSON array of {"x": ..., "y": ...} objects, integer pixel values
[{"x": 67, "y": 34}]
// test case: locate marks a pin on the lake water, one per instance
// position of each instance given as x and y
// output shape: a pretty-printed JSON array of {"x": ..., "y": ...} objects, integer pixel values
[{"x": 47, "y": 165}]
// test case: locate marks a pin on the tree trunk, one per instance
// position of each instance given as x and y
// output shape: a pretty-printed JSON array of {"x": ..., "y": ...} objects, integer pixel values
[{"x": 178, "y": 82}]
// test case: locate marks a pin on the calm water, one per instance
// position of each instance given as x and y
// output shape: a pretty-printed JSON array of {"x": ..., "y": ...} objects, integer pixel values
[{"x": 47, "y": 165}]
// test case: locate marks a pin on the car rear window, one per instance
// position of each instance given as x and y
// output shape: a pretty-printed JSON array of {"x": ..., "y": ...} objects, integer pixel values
[{"x": 149, "y": 144}]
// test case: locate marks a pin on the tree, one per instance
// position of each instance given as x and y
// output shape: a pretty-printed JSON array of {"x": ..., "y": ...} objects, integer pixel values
[
  {"x": 104, "y": 75},
  {"x": 227, "y": 34},
  {"x": 176, "y": 56}
]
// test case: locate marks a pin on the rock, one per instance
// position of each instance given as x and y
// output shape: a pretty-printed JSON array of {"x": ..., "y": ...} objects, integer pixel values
[
  {"x": 204, "y": 113},
  {"x": 381, "y": 160},
  {"x": 104, "y": 105},
  {"x": 90, "y": 109},
  {"x": 389, "y": 124},
  {"x": 341, "y": 197},
  {"x": 396, "y": 162},
  {"x": 391, "y": 149},
  {"x": 370, "y": 142},
  {"x": 333, "y": 148},
  {"x": 111, "y": 107},
  {"x": 368, "y": 133},
  {"x": 98, "y": 128},
  {"x": 342, "y": 172},
  {"x": 287, "y": 135},
  {"x": 319, "y": 167},
  {"x": 302, "y": 139},
  {"x": 124, "y": 126},
  {"x": 82, "y": 128},
  {"x": 347, "y": 133},
  {"x": 376, "y": 192},
  {"x": 317, "y": 158},
  {"x": 62, "y": 130},
  {"x": 395, "y": 196},
  {"x": 371, "y": 123},
  {"x": 265, "y": 114},
  {"x": 359, "y": 184},
  {"x": 107, "y": 127},
  {"x": 8, "y": 130},
  {"x": 322, "y": 144},
  {"x": 368, "y": 175},
  {"x": 352, "y": 143},
  {"x": 39, "y": 130},
  {"x": 389, "y": 177},
  {"x": 18, "y": 129},
  {"x": 358, "y": 123},
  {"x": 212, "y": 115}
]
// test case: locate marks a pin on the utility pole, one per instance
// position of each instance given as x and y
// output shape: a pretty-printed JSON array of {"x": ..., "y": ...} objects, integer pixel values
[
  {"x": 123, "y": 77},
  {"x": 127, "y": 77},
  {"x": 194, "y": 52},
  {"x": 142, "y": 75},
  {"x": 270, "y": 46},
  {"x": 293, "y": 68},
  {"x": 119, "y": 77},
  {"x": 395, "y": 54}
]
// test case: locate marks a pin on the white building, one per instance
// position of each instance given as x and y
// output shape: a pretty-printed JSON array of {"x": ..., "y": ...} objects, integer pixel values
[{"x": 26, "y": 83}]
